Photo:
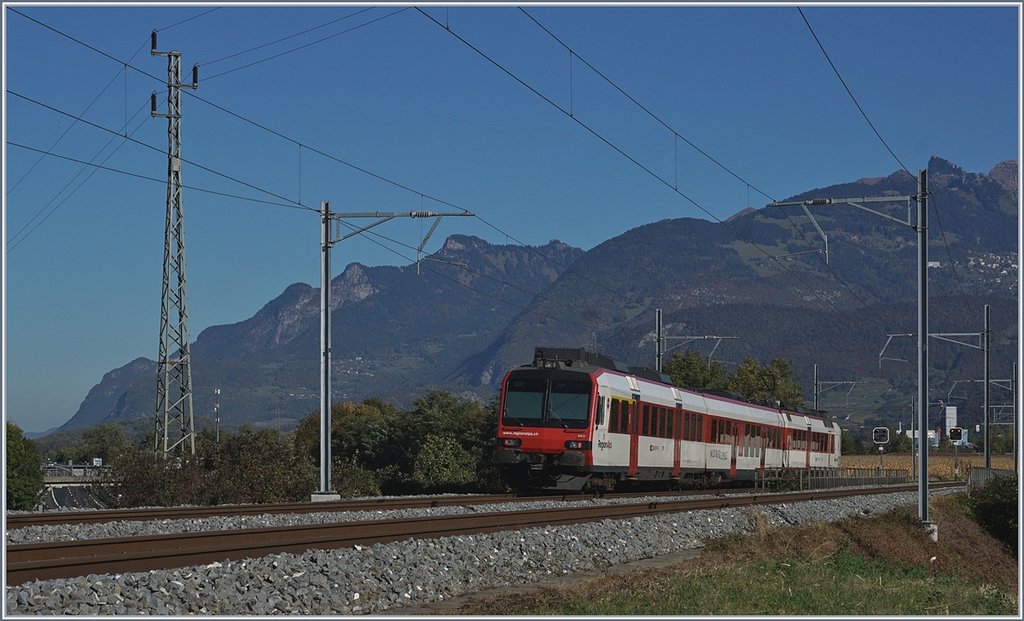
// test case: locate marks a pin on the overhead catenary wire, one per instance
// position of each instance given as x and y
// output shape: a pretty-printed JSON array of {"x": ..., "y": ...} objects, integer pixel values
[
  {"x": 336, "y": 159},
  {"x": 849, "y": 92},
  {"x": 677, "y": 136},
  {"x": 639, "y": 164},
  {"x": 320, "y": 152}
]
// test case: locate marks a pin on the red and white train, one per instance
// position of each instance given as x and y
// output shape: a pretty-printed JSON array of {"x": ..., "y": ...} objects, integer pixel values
[{"x": 576, "y": 419}]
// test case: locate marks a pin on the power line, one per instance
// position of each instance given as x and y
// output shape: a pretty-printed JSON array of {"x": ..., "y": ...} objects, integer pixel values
[
  {"x": 11, "y": 246},
  {"x": 157, "y": 149},
  {"x": 160, "y": 181},
  {"x": 340, "y": 161},
  {"x": 952, "y": 263},
  {"x": 13, "y": 242},
  {"x": 677, "y": 135},
  {"x": 104, "y": 89},
  {"x": 282, "y": 39},
  {"x": 302, "y": 47},
  {"x": 61, "y": 137},
  {"x": 850, "y": 93},
  {"x": 938, "y": 218},
  {"x": 630, "y": 158},
  {"x": 643, "y": 107},
  {"x": 189, "y": 19}
]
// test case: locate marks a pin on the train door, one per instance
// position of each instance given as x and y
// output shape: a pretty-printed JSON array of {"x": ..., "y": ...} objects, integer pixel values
[
  {"x": 734, "y": 431},
  {"x": 634, "y": 438},
  {"x": 763, "y": 445},
  {"x": 807, "y": 443},
  {"x": 677, "y": 434}
]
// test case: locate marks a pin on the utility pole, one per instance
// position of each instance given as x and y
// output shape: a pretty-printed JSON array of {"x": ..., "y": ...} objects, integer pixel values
[
  {"x": 913, "y": 439},
  {"x": 829, "y": 386},
  {"x": 921, "y": 228},
  {"x": 985, "y": 435},
  {"x": 174, "y": 360},
  {"x": 659, "y": 340},
  {"x": 327, "y": 240},
  {"x": 216, "y": 411},
  {"x": 983, "y": 345}
]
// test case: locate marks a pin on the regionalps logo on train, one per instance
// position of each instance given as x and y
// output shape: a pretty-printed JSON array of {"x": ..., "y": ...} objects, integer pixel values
[{"x": 647, "y": 432}]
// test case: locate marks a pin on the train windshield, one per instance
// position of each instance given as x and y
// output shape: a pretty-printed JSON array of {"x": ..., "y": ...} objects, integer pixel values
[{"x": 538, "y": 401}]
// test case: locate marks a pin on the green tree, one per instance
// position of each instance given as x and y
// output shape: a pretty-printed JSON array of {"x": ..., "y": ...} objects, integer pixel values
[
  {"x": 24, "y": 476},
  {"x": 442, "y": 463},
  {"x": 849, "y": 445},
  {"x": 103, "y": 441},
  {"x": 767, "y": 384},
  {"x": 898, "y": 442},
  {"x": 694, "y": 371}
]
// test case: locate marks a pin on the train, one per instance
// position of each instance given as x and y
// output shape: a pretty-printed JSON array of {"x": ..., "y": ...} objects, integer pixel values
[{"x": 574, "y": 420}]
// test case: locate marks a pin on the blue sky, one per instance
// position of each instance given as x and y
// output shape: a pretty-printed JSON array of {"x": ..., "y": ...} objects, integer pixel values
[{"x": 405, "y": 99}]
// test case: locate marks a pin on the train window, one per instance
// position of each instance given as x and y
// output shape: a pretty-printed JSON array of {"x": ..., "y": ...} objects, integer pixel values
[
  {"x": 671, "y": 420},
  {"x": 599, "y": 417},
  {"x": 646, "y": 429},
  {"x": 524, "y": 401},
  {"x": 613, "y": 416},
  {"x": 569, "y": 403},
  {"x": 686, "y": 427},
  {"x": 623, "y": 426},
  {"x": 662, "y": 422}
]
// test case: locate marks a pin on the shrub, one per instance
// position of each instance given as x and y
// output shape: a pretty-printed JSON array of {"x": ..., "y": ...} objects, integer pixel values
[
  {"x": 443, "y": 463},
  {"x": 350, "y": 479},
  {"x": 995, "y": 508}
]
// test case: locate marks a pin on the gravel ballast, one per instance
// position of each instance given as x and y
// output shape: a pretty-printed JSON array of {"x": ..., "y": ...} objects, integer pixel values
[{"x": 367, "y": 580}]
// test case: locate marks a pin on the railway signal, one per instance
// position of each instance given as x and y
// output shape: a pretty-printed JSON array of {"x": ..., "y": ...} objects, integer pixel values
[
  {"x": 956, "y": 434},
  {"x": 880, "y": 435}
]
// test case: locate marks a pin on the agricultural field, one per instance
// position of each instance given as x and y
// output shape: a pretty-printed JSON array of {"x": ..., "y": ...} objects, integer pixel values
[{"x": 941, "y": 466}]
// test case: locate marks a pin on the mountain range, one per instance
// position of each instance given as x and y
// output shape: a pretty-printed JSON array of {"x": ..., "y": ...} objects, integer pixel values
[{"x": 465, "y": 315}]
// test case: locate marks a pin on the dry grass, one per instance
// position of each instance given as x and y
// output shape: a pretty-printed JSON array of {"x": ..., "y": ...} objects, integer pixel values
[
  {"x": 941, "y": 466},
  {"x": 964, "y": 555}
]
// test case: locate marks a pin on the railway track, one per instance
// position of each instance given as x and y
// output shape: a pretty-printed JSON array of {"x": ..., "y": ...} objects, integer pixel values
[
  {"x": 50, "y": 518},
  {"x": 44, "y": 561}
]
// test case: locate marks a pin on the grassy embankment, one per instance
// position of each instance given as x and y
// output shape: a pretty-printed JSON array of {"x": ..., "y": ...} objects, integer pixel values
[{"x": 882, "y": 565}]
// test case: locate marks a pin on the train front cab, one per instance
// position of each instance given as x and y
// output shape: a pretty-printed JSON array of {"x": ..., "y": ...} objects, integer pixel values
[{"x": 545, "y": 428}]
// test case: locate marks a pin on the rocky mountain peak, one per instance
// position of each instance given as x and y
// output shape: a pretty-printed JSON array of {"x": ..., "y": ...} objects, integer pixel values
[
  {"x": 1006, "y": 174},
  {"x": 939, "y": 166},
  {"x": 352, "y": 285}
]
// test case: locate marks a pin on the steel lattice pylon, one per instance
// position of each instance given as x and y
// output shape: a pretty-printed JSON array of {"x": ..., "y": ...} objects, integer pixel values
[{"x": 174, "y": 362}]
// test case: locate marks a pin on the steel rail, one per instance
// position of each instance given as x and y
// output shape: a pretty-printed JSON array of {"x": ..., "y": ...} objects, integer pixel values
[
  {"x": 50, "y": 518},
  {"x": 42, "y": 561}
]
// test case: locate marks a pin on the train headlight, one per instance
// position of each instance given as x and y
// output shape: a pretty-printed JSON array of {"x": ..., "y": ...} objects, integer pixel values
[
  {"x": 510, "y": 442},
  {"x": 578, "y": 445}
]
